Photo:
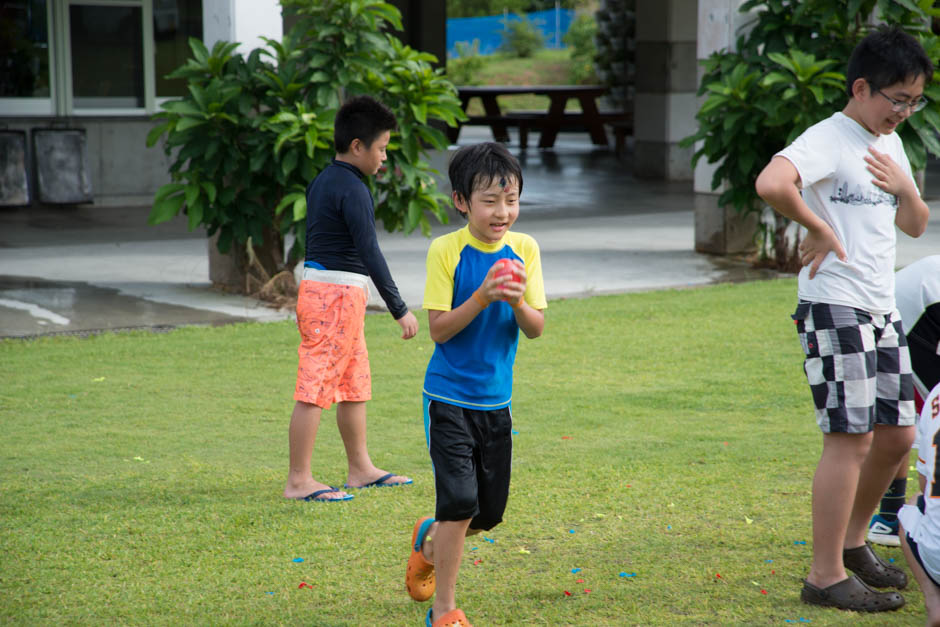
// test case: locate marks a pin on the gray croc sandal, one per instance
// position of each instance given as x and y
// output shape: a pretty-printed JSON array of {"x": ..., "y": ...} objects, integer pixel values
[
  {"x": 851, "y": 594},
  {"x": 870, "y": 568}
]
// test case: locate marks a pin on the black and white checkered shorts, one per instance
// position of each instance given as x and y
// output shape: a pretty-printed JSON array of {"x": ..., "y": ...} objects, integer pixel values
[{"x": 857, "y": 365}]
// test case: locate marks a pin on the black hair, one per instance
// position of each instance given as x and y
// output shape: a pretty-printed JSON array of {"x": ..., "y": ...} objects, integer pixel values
[
  {"x": 887, "y": 56},
  {"x": 477, "y": 166},
  {"x": 361, "y": 118}
]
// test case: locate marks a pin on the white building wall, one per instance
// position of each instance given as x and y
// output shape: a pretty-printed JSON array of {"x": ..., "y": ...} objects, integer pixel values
[{"x": 244, "y": 21}]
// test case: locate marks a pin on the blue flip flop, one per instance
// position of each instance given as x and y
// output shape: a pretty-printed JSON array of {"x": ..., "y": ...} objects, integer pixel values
[
  {"x": 381, "y": 482},
  {"x": 315, "y": 496}
]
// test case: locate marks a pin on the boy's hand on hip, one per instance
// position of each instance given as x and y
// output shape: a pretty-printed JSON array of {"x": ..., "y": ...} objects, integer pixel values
[
  {"x": 888, "y": 175},
  {"x": 818, "y": 243},
  {"x": 409, "y": 326}
]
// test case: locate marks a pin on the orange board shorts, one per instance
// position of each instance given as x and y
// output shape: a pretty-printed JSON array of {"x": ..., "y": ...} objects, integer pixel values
[{"x": 333, "y": 361}]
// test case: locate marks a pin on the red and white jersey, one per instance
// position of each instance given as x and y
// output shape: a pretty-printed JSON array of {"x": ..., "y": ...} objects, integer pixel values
[{"x": 925, "y": 528}]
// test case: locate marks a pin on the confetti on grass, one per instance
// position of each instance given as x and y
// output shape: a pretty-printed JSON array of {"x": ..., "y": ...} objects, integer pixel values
[
  {"x": 490, "y": 540},
  {"x": 799, "y": 542},
  {"x": 298, "y": 559},
  {"x": 623, "y": 574},
  {"x": 304, "y": 584},
  {"x": 575, "y": 570}
]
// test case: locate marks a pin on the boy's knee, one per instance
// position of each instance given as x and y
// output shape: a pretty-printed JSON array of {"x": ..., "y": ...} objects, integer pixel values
[{"x": 894, "y": 441}]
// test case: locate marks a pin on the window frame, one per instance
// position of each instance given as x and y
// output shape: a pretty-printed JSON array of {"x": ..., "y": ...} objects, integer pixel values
[
  {"x": 42, "y": 106},
  {"x": 66, "y": 104}
]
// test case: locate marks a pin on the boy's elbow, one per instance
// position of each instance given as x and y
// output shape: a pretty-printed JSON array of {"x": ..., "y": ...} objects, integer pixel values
[{"x": 765, "y": 186}]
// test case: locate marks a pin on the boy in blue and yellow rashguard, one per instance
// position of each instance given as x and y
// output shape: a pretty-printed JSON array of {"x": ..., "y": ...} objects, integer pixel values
[{"x": 476, "y": 308}]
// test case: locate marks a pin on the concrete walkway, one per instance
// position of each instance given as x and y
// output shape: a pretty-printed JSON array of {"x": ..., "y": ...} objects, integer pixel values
[{"x": 81, "y": 269}]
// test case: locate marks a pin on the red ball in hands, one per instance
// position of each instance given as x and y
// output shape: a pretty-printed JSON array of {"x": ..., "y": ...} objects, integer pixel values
[{"x": 507, "y": 268}]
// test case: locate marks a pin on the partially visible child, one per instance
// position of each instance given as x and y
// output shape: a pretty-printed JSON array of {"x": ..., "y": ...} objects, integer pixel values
[
  {"x": 856, "y": 187},
  {"x": 474, "y": 315},
  {"x": 920, "y": 520},
  {"x": 342, "y": 253},
  {"x": 917, "y": 290}
]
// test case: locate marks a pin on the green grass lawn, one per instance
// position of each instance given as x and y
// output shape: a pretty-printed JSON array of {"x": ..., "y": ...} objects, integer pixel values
[{"x": 666, "y": 436}]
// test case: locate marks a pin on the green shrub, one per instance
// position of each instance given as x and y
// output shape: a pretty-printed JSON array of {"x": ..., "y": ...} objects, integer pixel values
[
  {"x": 785, "y": 77},
  {"x": 464, "y": 69},
  {"x": 522, "y": 37},
  {"x": 253, "y": 131},
  {"x": 580, "y": 42}
]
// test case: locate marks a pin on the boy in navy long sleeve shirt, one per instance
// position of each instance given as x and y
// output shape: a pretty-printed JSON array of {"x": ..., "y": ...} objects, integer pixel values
[{"x": 342, "y": 252}]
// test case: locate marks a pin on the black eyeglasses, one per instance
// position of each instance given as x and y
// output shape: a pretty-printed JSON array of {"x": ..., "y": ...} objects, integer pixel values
[{"x": 899, "y": 106}]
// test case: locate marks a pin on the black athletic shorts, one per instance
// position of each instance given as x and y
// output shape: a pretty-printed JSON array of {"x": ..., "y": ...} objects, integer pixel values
[{"x": 471, "y": 452}]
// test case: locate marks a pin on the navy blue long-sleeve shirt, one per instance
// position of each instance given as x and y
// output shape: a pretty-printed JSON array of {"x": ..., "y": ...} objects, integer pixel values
[{"x": 341, "y": 230}]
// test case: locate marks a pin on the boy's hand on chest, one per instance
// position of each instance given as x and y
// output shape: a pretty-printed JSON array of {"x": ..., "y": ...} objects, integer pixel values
[{"x": 887, "y": 174}]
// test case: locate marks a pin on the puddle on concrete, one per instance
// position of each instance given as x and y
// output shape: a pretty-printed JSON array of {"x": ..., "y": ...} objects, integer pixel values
[{"x": 31, "y": 307}]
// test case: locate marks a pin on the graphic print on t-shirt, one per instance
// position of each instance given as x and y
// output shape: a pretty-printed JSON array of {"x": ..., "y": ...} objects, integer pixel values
[{"x": 857, "y": 197}]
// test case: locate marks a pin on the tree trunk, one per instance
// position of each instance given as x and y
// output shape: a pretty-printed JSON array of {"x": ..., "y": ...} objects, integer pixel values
[{"x": 239, "y": 272}]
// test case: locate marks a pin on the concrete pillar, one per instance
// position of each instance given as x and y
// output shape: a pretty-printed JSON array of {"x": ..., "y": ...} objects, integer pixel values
[
  {"x": 665, "y": 105},
  {"x": 718, "y": 230},
  {"x": 424, "y": 27},
  {"x": 244, "y": 21}
]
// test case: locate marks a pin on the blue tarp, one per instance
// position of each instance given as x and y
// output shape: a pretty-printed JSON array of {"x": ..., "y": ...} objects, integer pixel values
[{"x": 489, "y": 30}]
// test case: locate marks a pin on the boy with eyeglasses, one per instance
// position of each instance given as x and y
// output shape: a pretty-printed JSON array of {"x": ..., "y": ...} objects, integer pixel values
[{"x": 856, "y": 187}]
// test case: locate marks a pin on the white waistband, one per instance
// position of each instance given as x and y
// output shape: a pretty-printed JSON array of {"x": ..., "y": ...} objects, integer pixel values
[{"x": 337, "y": 276}]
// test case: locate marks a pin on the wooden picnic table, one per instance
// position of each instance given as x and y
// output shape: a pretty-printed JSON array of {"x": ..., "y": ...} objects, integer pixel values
[{"x": 550, "y": 122}]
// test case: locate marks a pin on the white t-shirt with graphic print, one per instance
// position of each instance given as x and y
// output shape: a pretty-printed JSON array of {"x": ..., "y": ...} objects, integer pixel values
[{"x": 837, "y": 187}]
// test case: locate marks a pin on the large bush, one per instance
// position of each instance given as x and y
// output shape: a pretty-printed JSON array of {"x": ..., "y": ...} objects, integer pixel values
[
  {"x": 580, "y": 41},
  {"x": 785, "y": 76},
  {"x": 253, "y": 131},
  {"x": 522, "y": 38},
  {"x": 465, "y": 67}
]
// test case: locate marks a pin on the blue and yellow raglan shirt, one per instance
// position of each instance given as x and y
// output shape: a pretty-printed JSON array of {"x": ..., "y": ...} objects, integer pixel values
[{"x": 473, "y": 369}]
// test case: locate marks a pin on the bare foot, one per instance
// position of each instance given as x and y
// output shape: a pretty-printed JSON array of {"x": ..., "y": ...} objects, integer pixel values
[{"x": 300, "y": 490}]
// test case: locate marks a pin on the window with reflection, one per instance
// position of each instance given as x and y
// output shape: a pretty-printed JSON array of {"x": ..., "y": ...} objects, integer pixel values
[
  {"x": 107, "y": 56},
  {"x": 24, "y": 49},
  {"x": 174, "y": 22}
]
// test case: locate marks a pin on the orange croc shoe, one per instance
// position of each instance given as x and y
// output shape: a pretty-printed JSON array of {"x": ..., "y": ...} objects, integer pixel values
[
  {"x": 453, "y": 618},
  {"x": 419, "y": 577}
]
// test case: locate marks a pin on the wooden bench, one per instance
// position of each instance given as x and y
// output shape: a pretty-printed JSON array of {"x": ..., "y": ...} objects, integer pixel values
[
  {"x": 499, "y": 124},
  {"x": 621, "y": 122},
  {"x": 549, "y": 122}
]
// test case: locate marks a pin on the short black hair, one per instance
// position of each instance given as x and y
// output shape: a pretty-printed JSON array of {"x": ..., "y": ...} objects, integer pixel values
[
  {"x": 886, "y": 56},
  {"x": 477, "y": 166},
  {"x": 361, "y": 118}
]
